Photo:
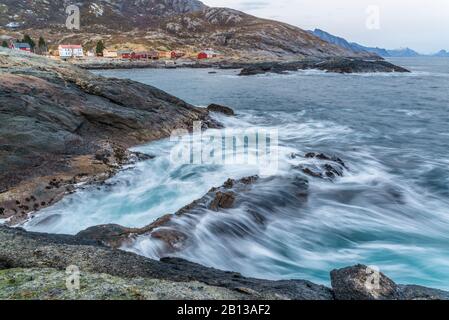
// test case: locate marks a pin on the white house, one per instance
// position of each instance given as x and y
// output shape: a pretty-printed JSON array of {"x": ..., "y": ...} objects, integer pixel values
[
  {"x": 13, "y": 25},
  {"x": 70, "y": 51}
]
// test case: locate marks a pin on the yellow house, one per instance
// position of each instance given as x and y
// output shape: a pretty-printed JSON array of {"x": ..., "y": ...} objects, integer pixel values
[{"x": 110, "y": 53}]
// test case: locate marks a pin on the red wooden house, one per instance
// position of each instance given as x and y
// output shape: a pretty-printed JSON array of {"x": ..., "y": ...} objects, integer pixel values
[
  {"x": 22, "y": 46},
  {"x": 124, "y": 54},
  {"x": 202, "y": 55},
  {"x": 142, "y": 55},
  {"x": 207, "y": 54},
  {"x": 177, "y": 54},
  {"x": 139, "y": 55}
]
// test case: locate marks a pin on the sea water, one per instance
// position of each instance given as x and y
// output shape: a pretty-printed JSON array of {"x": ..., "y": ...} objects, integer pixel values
[{"x": 390, "y": 210}]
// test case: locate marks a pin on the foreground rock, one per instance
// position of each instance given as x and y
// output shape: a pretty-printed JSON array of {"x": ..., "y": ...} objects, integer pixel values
[
  {"x": 24, "y": 250},
  {"x": 50, "y": 284},
  {"x": 337, "y": 65},
  {"x": 363, "y": 283},
  {"x": 32, "y": 266},
  {"x": 61, "y": 126}
]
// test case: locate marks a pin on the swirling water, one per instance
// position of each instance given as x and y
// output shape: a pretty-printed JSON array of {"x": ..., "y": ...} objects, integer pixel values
[{"x": 391, "y": 209}]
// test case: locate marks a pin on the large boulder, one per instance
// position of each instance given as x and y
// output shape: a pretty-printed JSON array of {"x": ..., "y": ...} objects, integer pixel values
[
  {"x": 364, "y": 283},
  {"x": 361, "y": 282},
  {"x": 221, "y": 109}
]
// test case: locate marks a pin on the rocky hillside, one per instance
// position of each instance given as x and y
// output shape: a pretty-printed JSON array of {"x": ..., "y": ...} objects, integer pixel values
[
  {"x": 169, "y": 24},
  {"x": 112, "y": 14}
]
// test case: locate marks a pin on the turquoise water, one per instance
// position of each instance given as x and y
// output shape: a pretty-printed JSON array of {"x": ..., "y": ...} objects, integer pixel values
[{"x": 391, "y": 209}]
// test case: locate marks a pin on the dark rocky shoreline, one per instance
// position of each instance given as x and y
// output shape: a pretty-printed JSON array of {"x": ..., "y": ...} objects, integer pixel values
[
  {"x": 334, "y": 65},
  {"x": 26, "y": 253},
  {"x": 248, "y": 68},
  {"x": 62, "y": 126}
]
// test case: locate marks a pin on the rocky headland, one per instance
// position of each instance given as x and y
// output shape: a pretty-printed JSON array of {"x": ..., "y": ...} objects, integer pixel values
[
  {"x": 335, "y": 65},
  {"x": 62, "y": 126}
]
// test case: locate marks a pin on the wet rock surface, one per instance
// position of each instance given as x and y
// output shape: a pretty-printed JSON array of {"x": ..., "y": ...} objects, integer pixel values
[
  {"x": 321, "y": 166},
  {"x": 22, "y": 249},
  {"x": 337, "y": 65},
  {"x": 63, "y": 126},
  {"x": 248, "y": 206},
  {"x": 115, "y": 236},
  {"x": 221, "y": 109},
  {"x": 168, "y": 228}
]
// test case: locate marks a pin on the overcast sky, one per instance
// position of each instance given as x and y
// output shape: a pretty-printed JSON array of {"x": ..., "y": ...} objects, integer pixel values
[{"x": 422, "y": 25}]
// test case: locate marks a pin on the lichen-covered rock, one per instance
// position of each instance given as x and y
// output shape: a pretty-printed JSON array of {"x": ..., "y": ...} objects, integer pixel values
[{"x": 50, "y": 284}]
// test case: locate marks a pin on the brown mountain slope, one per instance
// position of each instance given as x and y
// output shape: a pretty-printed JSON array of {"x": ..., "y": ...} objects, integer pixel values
[{"x": 173, "y": 24}]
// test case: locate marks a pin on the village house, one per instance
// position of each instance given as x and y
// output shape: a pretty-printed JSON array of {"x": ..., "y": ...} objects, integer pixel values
[
  {"x": 177, "y": 54},
  {"x": 164, "y": 54},
  {"x": 22, "y": 46},
  {"x": 70, "y": 51},
  {"x": 153, "y": 55},
  {"x": 140, "y": 55},
  {"x": 13, "y": 25},
  {"x": 110, "y": 53},
  {"x": 124, "y": 54},
  {"x": 207, "y": 54}
]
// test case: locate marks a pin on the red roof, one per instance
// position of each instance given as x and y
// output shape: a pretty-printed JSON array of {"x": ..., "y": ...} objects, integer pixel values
[{"x": 70, "y": 46}]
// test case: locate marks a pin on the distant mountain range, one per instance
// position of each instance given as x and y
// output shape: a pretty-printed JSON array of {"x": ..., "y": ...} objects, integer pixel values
[
  {"x": 404, "y": 52},
  {"x": 442, "y": 53}
]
